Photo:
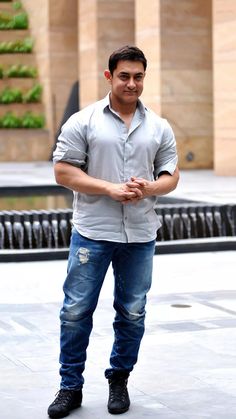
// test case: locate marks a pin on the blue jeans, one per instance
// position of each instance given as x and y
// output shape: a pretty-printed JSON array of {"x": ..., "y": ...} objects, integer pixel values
[{"x": 87, "y": 266}]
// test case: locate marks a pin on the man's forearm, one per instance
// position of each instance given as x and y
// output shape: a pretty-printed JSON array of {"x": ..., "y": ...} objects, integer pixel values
[
  {"x": 166, "y": 183},
  {"x": 75, "y": 179},
  {"x": 162, "y": 186}
]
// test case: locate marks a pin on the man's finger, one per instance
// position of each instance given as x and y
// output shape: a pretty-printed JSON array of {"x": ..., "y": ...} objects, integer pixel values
[
  {"x": 129, "y": 195},
  {"x": 138, "y": 192},
  {"x": 139, "y": 181},
  {"x": 133, "y": 184}
]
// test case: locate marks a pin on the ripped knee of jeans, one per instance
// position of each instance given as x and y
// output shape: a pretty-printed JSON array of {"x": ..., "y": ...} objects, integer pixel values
[
  {"x": 135, "y": 316},
  {"x": 83, "y": 255}
]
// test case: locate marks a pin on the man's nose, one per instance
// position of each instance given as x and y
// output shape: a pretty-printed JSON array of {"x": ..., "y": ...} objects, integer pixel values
[{"x": 131, "y": 83}]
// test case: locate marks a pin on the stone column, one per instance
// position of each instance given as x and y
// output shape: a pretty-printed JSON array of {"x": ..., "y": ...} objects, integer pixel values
[
  {"x": 63, "y": 54},
  {"x": 224, "y": 42},
  {"x": 104, "y": 25},
  {"x": 186, "y": 78},
  {"x": 147, "y": 38},
  {"x": 88, "y": 52}
]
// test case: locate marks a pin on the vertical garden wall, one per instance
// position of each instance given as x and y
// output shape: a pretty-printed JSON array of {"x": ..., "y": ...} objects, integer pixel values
[{"x": 23, "y": 134}]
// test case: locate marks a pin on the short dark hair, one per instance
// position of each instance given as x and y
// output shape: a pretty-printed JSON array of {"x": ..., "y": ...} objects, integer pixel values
[{"x": 129, "y": 53}]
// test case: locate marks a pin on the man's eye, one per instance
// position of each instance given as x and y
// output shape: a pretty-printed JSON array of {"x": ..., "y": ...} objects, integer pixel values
[{"x": 123, "y": 77}]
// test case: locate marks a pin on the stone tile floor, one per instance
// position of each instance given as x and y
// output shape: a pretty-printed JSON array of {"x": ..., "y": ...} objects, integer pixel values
[{"x": 187, "y": 363}]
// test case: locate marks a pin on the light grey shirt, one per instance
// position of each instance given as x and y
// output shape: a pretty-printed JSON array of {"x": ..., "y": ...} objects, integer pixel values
[{"x": 98, "y": 141}]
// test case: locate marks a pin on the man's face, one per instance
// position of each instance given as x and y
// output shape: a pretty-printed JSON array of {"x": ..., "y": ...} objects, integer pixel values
[{"x": 126, "y": 81}]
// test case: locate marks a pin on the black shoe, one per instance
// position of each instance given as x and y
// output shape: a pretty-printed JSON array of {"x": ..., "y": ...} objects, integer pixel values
[
  {"x": 65, "y": 401},
  {"x": 118, "y": 401}
]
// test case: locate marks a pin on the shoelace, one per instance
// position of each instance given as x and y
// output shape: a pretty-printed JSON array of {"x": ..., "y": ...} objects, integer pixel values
[
  {"x": 118, "y": 390},
  {"x": 63, "y": 396}
]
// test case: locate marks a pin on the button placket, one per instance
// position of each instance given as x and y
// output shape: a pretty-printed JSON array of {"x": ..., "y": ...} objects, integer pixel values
[{"x": 126, "y": 158}]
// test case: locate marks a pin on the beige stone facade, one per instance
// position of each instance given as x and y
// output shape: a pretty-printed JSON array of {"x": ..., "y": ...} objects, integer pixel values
[
  {"x": 191, "y": 50},
  {"x": 224, "y": 59}
]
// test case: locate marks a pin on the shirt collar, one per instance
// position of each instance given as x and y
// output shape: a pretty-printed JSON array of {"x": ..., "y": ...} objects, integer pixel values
[
  {"x": 106, "y": 104},
  {"x": 106, "y": 101}
]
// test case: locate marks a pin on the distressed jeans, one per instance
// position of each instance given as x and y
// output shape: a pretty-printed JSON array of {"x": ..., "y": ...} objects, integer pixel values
[{"x": 87, "y": 266}]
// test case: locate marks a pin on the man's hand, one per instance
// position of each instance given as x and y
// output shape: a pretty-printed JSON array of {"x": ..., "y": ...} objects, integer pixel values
[
  {"x": 123, "y": 193},
  {"x": 145, "y": 187},
  {"x": 162, "y": 186}
]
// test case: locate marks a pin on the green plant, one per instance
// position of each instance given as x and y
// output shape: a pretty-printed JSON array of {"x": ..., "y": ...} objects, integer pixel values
[
  {"x": 34, "y": 94},
  {"x": 24, "y": 46},
  {"x": 10, "y": 120},
  {"x": 9, "y": 95},
  {"x": 17, "y": 5},
  {"x": 28, "y": 120},
  {"x": 19, "y": 70},
  {"x": 5, "y": 21},
  {"x": 1, "y": 72},
  {"x": 18, "y": 21},
  {"x": 32, "y": 121}
]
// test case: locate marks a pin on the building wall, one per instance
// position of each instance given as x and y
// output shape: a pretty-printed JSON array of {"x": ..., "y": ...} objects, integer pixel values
[
  {"x": 104, "y": 25},
  {"x": 186, "y": 78},
  {"x": 38, "y": 19},
  {"x": 190, "y": 81},
  {"x": 63, "y": 53},
  {"x": 148, "y": 38},
  {"x": 224, "y": 59},
  {"x": 88, "y": 52},
  {"x": 54, "y": 27}
]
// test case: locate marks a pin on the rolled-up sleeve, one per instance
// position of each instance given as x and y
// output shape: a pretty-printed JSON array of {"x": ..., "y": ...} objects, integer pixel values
[
  {"x": 166, "y": 157},
  {"x": 72, "y": 145}
]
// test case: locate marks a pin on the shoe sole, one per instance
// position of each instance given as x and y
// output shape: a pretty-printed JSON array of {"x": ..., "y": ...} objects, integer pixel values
[
  {"x": 63, "y": 415},
  {"x": 118, "y": 411}
]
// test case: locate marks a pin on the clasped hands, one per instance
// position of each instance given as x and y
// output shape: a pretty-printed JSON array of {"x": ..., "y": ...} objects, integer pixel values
[{"x": 131, "y": 191}]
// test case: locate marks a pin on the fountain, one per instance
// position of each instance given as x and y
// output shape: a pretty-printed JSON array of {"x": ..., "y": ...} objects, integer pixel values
[{"x": 47, "y": 232}]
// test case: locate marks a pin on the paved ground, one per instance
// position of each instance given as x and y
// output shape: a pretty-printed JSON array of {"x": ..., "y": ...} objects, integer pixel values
[{"x": 187, "y": 365}]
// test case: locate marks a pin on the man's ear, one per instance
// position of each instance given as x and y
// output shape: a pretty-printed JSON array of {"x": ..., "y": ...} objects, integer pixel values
[{"x": 108, "y": 75}]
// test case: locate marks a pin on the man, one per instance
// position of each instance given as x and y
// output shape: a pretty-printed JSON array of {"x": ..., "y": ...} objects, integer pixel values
[{"x": 117, "y": 156}]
